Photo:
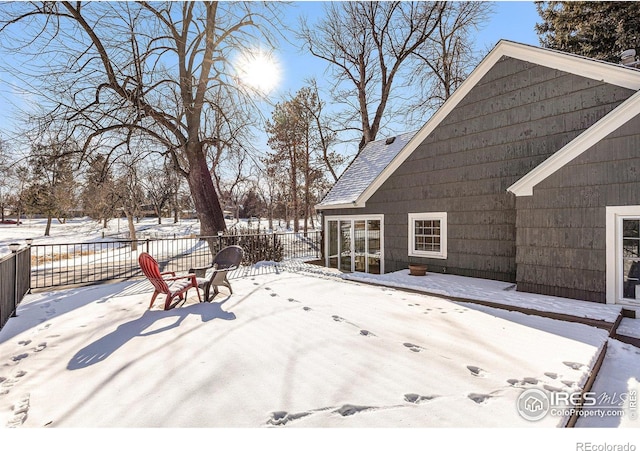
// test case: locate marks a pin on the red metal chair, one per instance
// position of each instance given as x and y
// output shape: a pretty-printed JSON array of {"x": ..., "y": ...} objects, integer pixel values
[{"x": 175, "y": 286}]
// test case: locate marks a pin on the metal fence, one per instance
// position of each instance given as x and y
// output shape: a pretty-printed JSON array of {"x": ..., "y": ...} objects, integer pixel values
[
  {"x": 54, "y": 265},
  {"x": 14, "y": 281}
]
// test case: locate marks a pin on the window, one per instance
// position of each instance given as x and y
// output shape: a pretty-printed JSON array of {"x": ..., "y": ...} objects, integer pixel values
[
  {"x": 428, "y": 235},
  {"x": 623, "y": 254}
]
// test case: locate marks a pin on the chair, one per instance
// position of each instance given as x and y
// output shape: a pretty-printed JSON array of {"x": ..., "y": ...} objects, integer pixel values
[
  {"x": 175, "y": 286},
  {"x": 215, "y": 275}
]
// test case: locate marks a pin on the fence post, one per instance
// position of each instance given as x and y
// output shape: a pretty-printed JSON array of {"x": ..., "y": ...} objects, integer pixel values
[{"x": 13, "y": 247}]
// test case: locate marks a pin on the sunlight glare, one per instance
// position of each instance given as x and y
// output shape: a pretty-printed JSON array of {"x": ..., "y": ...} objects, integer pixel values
[{"x": 259, "y": 70}]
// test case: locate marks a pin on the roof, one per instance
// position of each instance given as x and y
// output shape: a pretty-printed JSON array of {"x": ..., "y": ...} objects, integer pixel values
[
  {"x": 367, "y": 165},
  {"x": 616, "y": 118},
  {"x": 614, "y": 74}
]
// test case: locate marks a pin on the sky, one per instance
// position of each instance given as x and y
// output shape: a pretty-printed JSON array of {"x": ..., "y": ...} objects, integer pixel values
[{"x": 512, "y": 20}]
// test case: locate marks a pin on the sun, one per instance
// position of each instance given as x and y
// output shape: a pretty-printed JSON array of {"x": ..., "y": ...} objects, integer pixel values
[{"x": 258, "y": 70}]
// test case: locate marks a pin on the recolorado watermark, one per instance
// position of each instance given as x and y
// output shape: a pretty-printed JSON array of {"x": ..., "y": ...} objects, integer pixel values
[
  {"x": 534, "y": 404},
  {"x": 589, "y": 446}
]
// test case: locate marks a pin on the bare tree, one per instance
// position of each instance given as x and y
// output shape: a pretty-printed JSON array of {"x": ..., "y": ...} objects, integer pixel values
[
  {"x": 367, "y": 45},
  {"x": 448, "y": 55},
  {"x": 129, "y": 194},
  {"x": 160, "y": 184},
  {"x": 6, "y": 169},
  {"x": 119, "y": 69}
]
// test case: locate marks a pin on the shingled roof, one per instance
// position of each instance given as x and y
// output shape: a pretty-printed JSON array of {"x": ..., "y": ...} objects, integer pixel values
[{"x": 363, "y": 170}]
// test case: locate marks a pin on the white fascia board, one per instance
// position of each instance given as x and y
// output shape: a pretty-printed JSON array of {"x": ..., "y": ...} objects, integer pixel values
[
  {"x": 626, "y": 111},
  {"x": 615, "y": 74},
  {"x": 586, "y": 67},
  {"x": 338, "y": 206}
]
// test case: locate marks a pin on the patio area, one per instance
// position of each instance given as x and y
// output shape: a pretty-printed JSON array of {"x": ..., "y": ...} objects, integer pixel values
[{"x": 291, "y": 347}]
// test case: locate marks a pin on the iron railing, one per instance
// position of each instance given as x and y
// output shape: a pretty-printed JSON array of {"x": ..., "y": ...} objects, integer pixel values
[
  {"x": 54, "y": 265},
  {"x": 14, "y": 281}
]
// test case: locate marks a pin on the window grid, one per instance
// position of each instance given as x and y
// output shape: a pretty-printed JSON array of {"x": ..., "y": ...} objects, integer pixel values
[{"x": 427, "y": 235}]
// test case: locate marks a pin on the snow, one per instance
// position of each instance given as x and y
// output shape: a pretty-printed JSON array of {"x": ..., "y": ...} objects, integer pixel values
[{"x": 307, "y": 349}]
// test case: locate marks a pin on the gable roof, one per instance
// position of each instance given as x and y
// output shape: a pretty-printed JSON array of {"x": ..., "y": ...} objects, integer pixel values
[
  {"x": 367, "y": 165},
  {"x": 614, "y": 74}
]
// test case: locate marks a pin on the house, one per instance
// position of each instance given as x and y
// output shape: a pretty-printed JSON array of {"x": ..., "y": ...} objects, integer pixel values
[{"x": 529, "y": 173}]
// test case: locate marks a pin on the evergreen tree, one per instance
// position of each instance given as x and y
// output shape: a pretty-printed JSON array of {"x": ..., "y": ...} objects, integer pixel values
[
  {"x": 600, "y": 30},
  {"x": 98, "y": 196},
  {"x": 52, "y": 185}
]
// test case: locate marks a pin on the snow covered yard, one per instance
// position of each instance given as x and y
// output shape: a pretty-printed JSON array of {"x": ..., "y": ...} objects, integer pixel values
[{"x": 287, "y": 349}]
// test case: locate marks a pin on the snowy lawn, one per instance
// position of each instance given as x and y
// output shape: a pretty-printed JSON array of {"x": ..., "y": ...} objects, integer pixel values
[{"x": 286, "y": 349}]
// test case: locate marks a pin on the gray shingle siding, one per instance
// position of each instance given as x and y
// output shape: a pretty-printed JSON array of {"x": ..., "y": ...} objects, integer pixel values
[
  {"x": 561, "y": 228},
  {"x": 510, "y": 122}
]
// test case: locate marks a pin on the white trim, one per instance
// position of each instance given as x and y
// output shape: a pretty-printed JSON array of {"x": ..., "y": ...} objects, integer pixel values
[
  {"x": 626, "y": 111},
  {"x": 353, "y": 204},
  {"x": 598, "y": 70},
  {"x": 614, "y": 217},
  {"x": 352, "y": 218},
  {"x": 440, "y": 216}
]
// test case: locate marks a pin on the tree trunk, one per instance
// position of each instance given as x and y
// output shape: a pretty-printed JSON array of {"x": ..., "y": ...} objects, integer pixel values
[
  {"x": 132, "y": 231},
  {"x": 47, "y": 229},
  {"x": 203, "y": 193}
]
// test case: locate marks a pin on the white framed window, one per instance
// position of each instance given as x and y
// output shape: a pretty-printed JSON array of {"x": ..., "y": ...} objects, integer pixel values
[
  {"x": 428, "y": 235},
  {"x": 623, "y": 254}
]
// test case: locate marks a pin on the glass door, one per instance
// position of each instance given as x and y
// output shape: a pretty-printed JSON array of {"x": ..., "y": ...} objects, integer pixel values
[
  {"x": 345, "y": 246},
  {"x": 631, "y": 259},
  {"x": 354, "y": 244}
]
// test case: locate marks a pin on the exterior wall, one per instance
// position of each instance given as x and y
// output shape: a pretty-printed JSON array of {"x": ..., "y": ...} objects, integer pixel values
[
  {"x": 510, "y": 122},
  {"x": 561, "y": 233}
]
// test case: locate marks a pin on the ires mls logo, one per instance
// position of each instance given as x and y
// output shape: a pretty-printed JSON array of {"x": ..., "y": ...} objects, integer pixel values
[{"x": 534, "y": 404}]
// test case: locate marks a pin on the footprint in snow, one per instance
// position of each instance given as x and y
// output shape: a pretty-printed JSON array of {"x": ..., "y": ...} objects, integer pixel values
[
  {"x": 292, "y": 300},
  {"x": 366, "y": 333},
  {"x": 24, "y": 342},
  {"x": 412, "y": 347},
  {"x": 551, "y": 388},
  {"x": 306, "y": 309},
  {"x": 478, "y": 398},
  {"x": 20, "y": 411},
  {"x": 337, "y": 318},
  {"x": 417, "y": 399},
  {"x": 574, "y": 365},
  {"x": 349, "y": 409},
  {"x": 40, "y": 347},
  {"x": 551, "y": 375},
  {"x": 281, "y": 418},
  {"x": 17, "y": 358},
  {"x": 530, "y": 380},
  {"x": 273, "y": 295},
  {"x": 476, "y": 371}
]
